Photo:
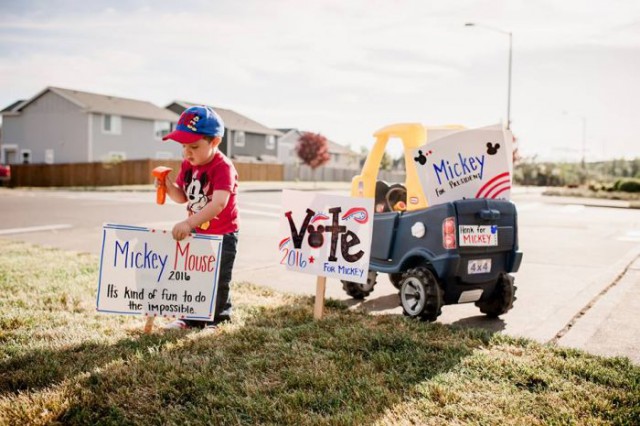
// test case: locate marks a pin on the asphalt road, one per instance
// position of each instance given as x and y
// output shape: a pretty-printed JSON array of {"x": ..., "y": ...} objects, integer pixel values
[{"x": 572, "y": 254}]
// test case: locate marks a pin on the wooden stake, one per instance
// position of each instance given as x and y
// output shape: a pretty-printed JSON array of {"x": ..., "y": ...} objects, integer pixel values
[
  {"x": 318, "y": 308},
  {"x": 148, "y": 326}
]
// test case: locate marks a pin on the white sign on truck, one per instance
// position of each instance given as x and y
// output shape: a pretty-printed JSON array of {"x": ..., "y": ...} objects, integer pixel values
[{"x": 472, "y": 163}]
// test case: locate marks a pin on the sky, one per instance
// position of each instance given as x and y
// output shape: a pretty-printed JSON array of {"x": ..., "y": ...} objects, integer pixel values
[{"x": 346, "y": 68}]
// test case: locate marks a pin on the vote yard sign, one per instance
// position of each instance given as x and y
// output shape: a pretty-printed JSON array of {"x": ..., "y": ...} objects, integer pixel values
[
  {"x": 147, "y": 271},
  {"x": 473, "y": 163},
  {"x": 326, "y": 235}
]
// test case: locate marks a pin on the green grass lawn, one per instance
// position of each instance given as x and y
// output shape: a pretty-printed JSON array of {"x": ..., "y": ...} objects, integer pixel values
[{"x": 61, "y": 362}]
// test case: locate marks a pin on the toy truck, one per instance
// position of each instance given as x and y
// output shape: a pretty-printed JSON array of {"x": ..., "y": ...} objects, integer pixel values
[{"x": 419, "y": 246}]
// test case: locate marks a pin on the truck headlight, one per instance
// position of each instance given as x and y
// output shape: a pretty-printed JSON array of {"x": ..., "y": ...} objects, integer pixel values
[{"x": 418, "y": 230}]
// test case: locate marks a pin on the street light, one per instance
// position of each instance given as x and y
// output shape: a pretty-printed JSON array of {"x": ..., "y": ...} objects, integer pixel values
[{"x": 473, "y": 24}]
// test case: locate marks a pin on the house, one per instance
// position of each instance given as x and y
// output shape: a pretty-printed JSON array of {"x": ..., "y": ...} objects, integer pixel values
[
  {"x": 70, "y": 126},
  {"x": 244, "y": 138},
  {"x": 341, "y": 156}
]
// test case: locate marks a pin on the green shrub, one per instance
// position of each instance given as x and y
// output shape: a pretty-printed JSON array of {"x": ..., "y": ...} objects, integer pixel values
[
  {"x": 616, "y": 184},
  {"x": 628, "y": 185}
]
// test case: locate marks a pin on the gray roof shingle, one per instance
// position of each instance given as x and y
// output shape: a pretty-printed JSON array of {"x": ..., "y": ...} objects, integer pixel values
[
  {"x": 104, "y": 104},
  {"x": 13, "y": 106}
]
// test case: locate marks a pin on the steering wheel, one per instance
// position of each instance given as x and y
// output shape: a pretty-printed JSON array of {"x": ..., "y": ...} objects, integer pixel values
[{"x": 396, "y": 198}]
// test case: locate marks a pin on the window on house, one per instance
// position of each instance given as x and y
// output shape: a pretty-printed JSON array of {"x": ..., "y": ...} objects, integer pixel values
[
  {"x": 271, "y": 142},
  {"x": 238, "y": 138},
  {"x": 111, "y": 124},
  {"x": 26, "y": 156},
  {"x": 161, "y": 128},
  {"x": 9, "y": 154},
  {"x": 48, "y": 156}
]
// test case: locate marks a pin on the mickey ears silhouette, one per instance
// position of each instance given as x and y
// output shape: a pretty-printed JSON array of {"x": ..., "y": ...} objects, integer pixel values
[
  {"x": 492, "y": 150},
  {"x": 421, "y": 158}
]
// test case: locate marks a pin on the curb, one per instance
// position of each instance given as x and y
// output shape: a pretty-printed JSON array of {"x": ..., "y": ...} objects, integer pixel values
[
  {"x": 612, "y": 276},
  {"x": 591, "y": 202}
]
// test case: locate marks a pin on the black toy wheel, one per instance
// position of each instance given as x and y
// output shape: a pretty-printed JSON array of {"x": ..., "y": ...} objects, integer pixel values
[
  {"x": 358, "y": 290},
  {"x": 396, "y": 280},
  {"x": 421, "y": 294},
  {"x": 501, "y": 299}
]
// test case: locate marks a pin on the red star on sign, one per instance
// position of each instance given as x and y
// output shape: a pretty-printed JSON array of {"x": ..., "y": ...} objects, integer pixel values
[{"x": 311, "y": 259}]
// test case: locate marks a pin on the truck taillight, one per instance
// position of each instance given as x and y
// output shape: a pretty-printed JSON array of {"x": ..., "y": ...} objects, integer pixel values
[{"x": 449, "y": 233}]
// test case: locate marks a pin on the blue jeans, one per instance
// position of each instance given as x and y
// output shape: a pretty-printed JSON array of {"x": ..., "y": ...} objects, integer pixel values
[{"x": 223, "y": 296}]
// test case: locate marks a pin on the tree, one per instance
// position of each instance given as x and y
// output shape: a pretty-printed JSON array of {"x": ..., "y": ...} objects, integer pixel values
[
  {"x": 313, "y": 149},
  {"x": 386, "y": 162}
]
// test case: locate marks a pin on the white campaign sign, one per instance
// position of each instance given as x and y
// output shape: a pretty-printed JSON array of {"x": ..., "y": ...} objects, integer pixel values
[
  {"x": 147, "y": 271},
  {"x": 461, "y": 164},
  {"x": 326, "y": 235}
]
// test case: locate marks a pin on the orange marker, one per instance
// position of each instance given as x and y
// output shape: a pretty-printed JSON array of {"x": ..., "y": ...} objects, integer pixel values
[{"x": 161, "y": 173}]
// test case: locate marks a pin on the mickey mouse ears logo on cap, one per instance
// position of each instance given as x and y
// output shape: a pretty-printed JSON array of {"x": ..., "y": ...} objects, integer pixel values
[{"x": 196, "y": 122}]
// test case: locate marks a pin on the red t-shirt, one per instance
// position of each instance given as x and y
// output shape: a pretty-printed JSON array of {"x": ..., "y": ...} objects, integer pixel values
[{"x": 199, "y": 182}]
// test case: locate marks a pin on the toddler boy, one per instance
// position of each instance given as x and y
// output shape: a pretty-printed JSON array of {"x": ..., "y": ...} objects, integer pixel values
[{"x": 208, "y": 183}]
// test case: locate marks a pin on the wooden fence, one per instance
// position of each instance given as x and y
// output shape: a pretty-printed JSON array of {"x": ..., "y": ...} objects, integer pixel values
[
  {"x": 131, "y": 172},
  {"x": 304, "y": 173},
  {"x": 138, "y": 172}
]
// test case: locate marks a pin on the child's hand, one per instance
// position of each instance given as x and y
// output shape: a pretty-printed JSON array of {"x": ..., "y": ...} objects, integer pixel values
[
  {"x": 158, "y": 182},
  {"x": 181, "y": 230}
]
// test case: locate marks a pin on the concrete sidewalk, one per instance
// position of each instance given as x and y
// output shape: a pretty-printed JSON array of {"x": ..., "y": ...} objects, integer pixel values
[{"x": 610, "y": 326}]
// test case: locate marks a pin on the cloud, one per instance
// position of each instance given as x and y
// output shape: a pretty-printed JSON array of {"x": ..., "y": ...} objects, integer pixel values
[{"x": 343, "y": 68}]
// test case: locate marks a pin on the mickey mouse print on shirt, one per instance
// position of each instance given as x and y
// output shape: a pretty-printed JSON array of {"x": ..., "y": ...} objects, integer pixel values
[{"x": 197, "y": 186}]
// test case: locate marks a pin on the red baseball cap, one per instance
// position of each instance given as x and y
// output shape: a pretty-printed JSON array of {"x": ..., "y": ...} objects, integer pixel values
[{"x": 196, "y": 122}]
